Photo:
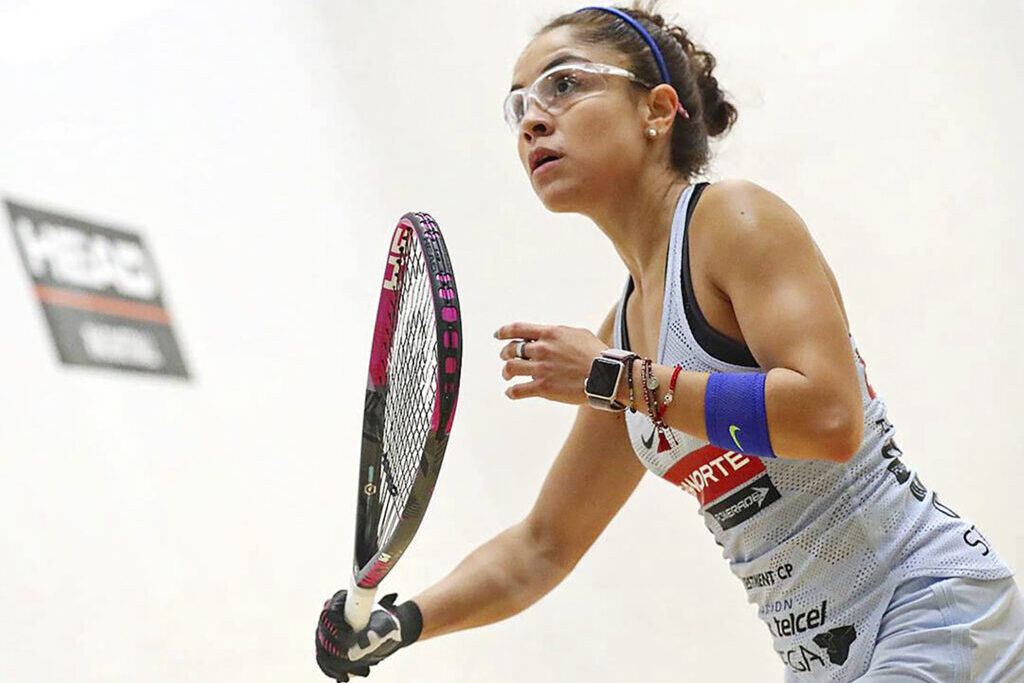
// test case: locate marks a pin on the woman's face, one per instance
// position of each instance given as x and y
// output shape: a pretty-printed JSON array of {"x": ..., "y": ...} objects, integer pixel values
[{"x": 599, "y": 141}]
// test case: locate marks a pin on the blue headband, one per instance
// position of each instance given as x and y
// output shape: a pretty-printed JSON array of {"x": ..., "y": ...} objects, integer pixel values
[{"x": 662, "y": 69}]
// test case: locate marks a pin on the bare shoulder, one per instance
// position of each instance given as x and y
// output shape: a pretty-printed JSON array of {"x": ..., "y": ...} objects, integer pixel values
[
  {"x": 741, "y": 207},
  {"x": 741, "y": 224}
]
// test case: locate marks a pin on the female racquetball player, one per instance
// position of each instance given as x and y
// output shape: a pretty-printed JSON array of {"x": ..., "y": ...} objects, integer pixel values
[{"x": 859, "y": 569}]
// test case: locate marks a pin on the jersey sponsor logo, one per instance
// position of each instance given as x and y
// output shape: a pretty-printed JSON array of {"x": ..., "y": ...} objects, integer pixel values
[
  {"x": 768, "y": 578},
  {"x": 801, "y": 659},
  {"x": 973, "y": 538},
  {"x": 745, "y": 503},
  {"x": 710, "y": 472},
  {"x": 835, "y": 642},
  {"x": 918, "y": 489},
  {"x": 733, "y": 430},
  {"x": 775, "y": 606},
  {"x": 891, "y": 450},
  {"x": 648, "y": 442},
  {"x": 799, "y": 622},
  {"x": 899, "y": 470}
]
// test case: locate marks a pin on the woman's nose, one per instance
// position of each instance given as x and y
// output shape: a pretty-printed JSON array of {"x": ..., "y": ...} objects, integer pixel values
[{"x": 536, "y": 121}]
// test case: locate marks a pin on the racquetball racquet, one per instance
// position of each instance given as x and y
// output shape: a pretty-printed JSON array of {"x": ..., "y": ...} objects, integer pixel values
[{"x": 411, "y": 393}]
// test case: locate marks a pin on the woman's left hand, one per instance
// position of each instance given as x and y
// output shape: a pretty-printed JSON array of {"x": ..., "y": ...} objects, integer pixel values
[{"x": 558, "y": 360}]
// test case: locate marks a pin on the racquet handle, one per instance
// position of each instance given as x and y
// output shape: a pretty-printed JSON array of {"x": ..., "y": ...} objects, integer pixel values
[{"x": 358, "y": 605}]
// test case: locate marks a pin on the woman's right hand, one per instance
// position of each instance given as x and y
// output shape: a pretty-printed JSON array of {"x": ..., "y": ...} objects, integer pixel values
[{"x": 342, "y": 652}]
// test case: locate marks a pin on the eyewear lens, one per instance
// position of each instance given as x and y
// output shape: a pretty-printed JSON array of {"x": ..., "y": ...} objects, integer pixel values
[{"x": 554, "y": 92}]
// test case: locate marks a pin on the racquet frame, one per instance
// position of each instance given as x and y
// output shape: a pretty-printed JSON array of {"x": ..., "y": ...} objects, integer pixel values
[{"x": 373, "y": 562}]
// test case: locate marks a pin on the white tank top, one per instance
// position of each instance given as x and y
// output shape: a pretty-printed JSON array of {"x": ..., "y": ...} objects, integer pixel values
[{"x": 818, "y": 546}]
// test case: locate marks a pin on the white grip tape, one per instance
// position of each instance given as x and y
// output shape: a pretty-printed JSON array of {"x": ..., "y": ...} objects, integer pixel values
[{"x": 358, "y": 605}]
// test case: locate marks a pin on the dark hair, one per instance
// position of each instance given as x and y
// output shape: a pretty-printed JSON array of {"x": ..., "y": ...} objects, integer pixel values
[{"x": 689, "y": 67}]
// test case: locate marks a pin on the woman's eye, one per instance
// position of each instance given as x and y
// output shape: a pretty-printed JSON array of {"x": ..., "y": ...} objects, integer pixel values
[{"x": 565, "y": 85}]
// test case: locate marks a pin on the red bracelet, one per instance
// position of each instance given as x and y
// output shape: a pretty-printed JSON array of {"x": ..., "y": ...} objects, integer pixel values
[{"x": 671, "y": 391}]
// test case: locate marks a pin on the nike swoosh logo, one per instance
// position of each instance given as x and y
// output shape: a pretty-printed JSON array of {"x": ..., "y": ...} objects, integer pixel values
[
  {"x": 649, "y": 442},
  {"x": 732, "y": 432}
]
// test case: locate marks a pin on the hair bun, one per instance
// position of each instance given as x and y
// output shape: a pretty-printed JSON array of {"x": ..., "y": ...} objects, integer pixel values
[{"x": 718, "y": 113}]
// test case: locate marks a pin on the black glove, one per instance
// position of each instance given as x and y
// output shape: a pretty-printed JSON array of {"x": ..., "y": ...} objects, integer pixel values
[{"x": 342, "y": 652}]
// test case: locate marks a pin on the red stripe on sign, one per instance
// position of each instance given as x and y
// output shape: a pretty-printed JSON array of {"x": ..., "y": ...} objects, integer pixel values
[
  {"x": 711, "y": 472},
  {"x": 103, "y": 304}
]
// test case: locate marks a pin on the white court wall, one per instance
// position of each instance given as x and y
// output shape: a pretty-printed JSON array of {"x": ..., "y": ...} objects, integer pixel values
[{"x": 163, "y": 530}]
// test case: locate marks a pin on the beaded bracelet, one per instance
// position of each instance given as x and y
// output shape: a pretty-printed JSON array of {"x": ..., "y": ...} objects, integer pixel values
[
  {"x": 649, "y": 397},
  {"x": 653, "y": 410}
]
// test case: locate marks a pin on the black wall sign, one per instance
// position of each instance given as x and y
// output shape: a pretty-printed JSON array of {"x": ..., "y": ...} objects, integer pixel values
[{"x": 100, "y": 292}]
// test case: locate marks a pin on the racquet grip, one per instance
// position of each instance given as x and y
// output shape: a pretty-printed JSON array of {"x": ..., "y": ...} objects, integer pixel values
[{"x": 358, "y": 605}]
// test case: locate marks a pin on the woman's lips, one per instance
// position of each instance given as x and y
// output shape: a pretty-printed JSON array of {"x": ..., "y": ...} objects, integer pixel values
[{"x": 545, "y": 167}]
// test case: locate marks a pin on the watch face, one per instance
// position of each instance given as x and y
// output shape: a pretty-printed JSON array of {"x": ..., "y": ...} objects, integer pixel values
[{"x": 604, "y": 375}]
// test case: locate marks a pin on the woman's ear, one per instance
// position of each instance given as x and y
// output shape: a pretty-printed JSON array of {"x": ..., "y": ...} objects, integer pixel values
[{"x": 662, "y": 105}]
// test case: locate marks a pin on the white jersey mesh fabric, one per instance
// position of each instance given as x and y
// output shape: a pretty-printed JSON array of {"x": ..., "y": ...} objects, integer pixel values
[{"x": 818, "y": 546}]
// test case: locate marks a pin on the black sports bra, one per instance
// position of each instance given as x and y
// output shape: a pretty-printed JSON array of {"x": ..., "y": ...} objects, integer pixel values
[{"x": 711, "y": 340}]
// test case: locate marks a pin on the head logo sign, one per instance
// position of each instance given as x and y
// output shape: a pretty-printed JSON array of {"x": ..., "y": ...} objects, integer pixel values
[{"x": 100, "y": 292}]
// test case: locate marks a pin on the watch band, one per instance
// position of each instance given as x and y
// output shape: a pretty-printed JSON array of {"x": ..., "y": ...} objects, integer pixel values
[
  {"x": 604, "y": 404},
  {"x": 618, "y": 354}
]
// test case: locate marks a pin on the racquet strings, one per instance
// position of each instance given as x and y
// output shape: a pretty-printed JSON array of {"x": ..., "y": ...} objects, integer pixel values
[{"x": 411, "y": 388}]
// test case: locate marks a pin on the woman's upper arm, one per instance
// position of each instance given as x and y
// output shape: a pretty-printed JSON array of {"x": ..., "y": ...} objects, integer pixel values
[
  {"x": 592, "y": 477},
  {"x": 766, "y": 263}
]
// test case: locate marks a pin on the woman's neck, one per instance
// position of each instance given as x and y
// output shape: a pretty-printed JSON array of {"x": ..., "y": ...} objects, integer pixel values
[{"x": 638, "y": 221}]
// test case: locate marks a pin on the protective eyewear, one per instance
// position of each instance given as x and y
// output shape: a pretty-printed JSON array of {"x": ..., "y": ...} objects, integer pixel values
[{"x": 562, "y": 86}]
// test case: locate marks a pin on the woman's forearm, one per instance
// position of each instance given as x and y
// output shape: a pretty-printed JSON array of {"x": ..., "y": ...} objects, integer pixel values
[
  {"x": 500, "y": 578},
  {"x": 803, "y": 420}
]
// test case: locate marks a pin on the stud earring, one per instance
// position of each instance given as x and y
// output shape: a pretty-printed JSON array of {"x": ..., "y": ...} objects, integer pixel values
[{"x": 652, "y": 133}]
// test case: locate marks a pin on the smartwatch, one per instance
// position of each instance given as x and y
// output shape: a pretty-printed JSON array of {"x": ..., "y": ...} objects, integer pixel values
[{"x": 606, "y": 373}]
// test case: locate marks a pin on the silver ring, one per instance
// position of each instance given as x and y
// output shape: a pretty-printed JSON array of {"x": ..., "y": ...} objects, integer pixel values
[{"x": 521, "y": 349}]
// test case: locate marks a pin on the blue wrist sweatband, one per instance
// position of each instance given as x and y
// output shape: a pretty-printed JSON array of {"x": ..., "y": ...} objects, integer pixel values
[{"x": 734, "y": 413}]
